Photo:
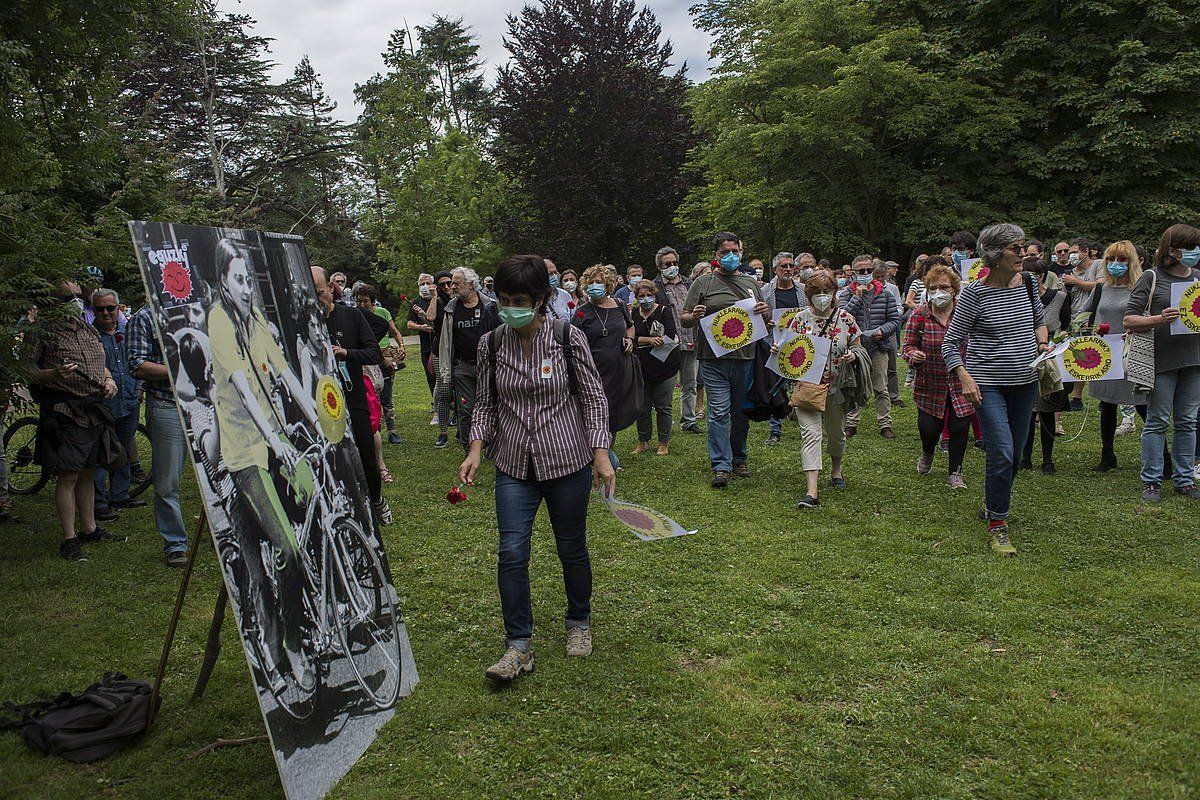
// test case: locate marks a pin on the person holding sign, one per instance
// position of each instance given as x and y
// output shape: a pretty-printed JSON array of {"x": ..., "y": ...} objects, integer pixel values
[
  {"x": 823, "y": 318},
  {"x": 781, "y": 294},
  {"x": 1176, "y": 391},
  {"x": 938, "y": 394},
  {"x": 1003, "y": 323},
  {"x": 653, "y": 324},
  {"x": 725, "y": 377}
]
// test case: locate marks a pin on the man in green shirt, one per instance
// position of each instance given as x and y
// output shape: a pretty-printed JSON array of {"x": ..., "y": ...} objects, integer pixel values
[{"x": 724, "y": 378}]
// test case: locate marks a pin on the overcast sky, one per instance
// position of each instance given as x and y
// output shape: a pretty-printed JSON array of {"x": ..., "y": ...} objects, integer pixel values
[{"x": 344, "y": 38}]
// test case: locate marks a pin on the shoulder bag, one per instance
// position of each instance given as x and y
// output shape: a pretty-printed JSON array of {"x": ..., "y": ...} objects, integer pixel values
[
  {"x": 812, "y": 396},
  {"x": 1139, "y": 348}
]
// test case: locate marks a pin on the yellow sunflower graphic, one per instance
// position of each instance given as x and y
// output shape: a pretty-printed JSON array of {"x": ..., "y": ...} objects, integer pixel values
[
  {"x": 331, "y": 409},
  {"x": 787, "y": 318},
  {"x": 646, "y": 523},
  {"x": 732, "y": 327},
  {"x": 1087, "y": 358},
  {"x": 795, "y": 358},
  {"x": 1189, "y": 308}
]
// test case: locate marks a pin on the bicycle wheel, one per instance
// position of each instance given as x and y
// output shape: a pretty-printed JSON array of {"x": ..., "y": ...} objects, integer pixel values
[
  {"x": 366, "y": 615},
  {"x": 141, "y": 459},
  {"x": 24, "y": 475}
]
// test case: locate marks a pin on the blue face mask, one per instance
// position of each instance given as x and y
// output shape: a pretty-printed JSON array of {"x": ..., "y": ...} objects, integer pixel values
[
  {"x": 596, "y": 290},
  {"x": 1190, "y": 258},
  {"x": 1117, "y": 269},
  {"x": 731, "y": 261},
  {"x": 958, "y": 256},
  {"x": 863, "y": 279},
  {"x": 842, "y": 283},
  {"x": 554, "y": 280},
  {"x": 516, "y": 316},
  {"x": 633, "y": 280}
]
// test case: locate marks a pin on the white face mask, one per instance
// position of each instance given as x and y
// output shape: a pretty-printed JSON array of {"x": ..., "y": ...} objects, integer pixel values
[
  {"x": 940, "y": 298},
  {"x": 570, "y": 286},
  {"x": 821, "y": 302},
  {"x": 758, "y": 273},
  {"x": 426, "y": 291},
  {"x": 670, "y": 272}
]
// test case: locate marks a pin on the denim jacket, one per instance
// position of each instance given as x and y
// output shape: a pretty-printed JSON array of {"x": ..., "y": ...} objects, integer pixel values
[{"x": 126, "y": 401}]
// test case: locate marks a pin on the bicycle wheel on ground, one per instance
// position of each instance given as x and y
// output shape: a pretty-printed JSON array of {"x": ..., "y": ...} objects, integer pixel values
[
  {"x": 24, "y": 475},
  {"x": 366, "y": 614},
  {"x": 141, "y": 470}
]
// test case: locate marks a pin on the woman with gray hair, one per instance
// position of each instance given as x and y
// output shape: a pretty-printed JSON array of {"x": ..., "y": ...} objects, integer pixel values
[{"x": 1001, "y": 319}]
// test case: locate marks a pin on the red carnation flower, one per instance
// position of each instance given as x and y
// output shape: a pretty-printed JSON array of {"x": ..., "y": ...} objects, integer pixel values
[
  {"x": 579, "y": 314},
  {"x": 570, "y": 305},
  {"x": 455, "y": 495},
  {"x": 714, "y": 263},
  {"x": 1104, "y": 328},
  {"x": 118, "y": 337},
  {"x": 403, "y": 298}
]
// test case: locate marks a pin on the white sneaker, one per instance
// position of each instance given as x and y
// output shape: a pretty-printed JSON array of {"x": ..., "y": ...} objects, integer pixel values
[{"x": 1126, "y": 427}]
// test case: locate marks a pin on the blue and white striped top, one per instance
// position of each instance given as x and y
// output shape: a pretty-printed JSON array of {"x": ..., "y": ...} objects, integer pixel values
[{"x": 999, "y": 326}]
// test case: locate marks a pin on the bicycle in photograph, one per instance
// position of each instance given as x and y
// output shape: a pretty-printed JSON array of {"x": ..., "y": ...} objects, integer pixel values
[{"x": 349, "y": 606}]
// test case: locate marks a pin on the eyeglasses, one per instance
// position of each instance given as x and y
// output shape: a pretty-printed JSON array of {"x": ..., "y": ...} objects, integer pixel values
[
  {"x": 1062, "y": 250},
  {"x": 104, "y": 309},
  {"x": 670, "y": 264}
]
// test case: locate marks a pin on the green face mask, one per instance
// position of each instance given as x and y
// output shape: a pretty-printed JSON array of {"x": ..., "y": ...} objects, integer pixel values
[{"x": 516, "y": 317}]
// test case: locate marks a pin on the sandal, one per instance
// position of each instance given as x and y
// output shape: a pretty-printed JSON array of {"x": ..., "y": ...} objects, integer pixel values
[{"x": 385, "y": 475}]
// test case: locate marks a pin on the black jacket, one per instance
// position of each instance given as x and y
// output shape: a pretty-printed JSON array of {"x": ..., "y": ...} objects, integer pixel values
[{"x": 348, "y": 328}]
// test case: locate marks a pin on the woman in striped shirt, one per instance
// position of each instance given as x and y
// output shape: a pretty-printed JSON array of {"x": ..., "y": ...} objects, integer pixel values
[
  {"x": 541, "y": 411},
  {"x": 1001, "y": 319}
]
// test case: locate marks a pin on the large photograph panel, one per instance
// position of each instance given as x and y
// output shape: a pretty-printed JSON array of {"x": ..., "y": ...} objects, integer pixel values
[{"x": 263, "y": 405}]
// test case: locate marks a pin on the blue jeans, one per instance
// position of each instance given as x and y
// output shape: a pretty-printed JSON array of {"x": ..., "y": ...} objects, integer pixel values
[
  {"x": 776, "y": 426},
  {"x": 725, "y": 382},
  {"x": 517, "y": 502},
  {"x": 115, "y": 488},
  {"x": 1004, "y": 414},
  {"x": 1176, "y": 394},
  {"x": 169, "y": 445}
]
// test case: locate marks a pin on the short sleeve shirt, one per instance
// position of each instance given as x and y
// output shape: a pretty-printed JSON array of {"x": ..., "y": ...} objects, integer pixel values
[
  {"x": 386, "y": 316},
  {"x": 716, "y": 292},
  {"x": 260, "y": 360}
]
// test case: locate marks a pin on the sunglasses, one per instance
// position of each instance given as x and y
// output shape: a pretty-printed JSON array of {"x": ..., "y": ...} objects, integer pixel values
[
  {"x": 443, "y": 284},
  {"x": 104, "y": 309}
]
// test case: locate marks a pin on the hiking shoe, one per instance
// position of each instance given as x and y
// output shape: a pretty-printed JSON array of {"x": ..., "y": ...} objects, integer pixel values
[
  {"x": 691, "y": 427},
  {"x": 887, "y": 433},
  {"x": 1000, "y": 543},
  {"x": 106, "y": 515},
  {"x": 955, "y": 481},
  {"x": 579, "y": 642},
  {"x": 176, "y": 559},
  {"x": 1152, "y": 492},
  {"x": 662, "y": 450},
  {"x": 383, "y": 512},
  {"x": 102, "y": 535},
  {"x": 512, "y": 665},
  {"x": 773, "y": 439},
  {"x": 72, "y": 550},
  {"x": 925, "y": 464},
  {"x": 808, "y": 501},
  {"x": 394, "y": 438},
  {"x": 838, "y": 483},
  {"x": 1126, "y": 427},
  {"x": 641, "y": 448},
  {"x": 441, "y": 442},
  {"x": 720, "y": 479},
  {"x": 1190, "y": 492},
  {"x": 740, "y": 470}
]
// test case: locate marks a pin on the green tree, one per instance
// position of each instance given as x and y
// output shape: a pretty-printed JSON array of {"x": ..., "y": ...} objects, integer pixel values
[
  {"x": 824, "y": 131},
  {"x": 592, "y": 128}
]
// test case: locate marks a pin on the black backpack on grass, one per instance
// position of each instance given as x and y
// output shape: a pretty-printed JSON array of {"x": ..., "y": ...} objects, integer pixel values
[{"x": 84, "y": 727}]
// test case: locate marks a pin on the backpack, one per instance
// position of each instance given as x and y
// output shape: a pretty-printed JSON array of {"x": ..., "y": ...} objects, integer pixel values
[
  {"x": 562, "y": 335},
  {"x": 84, "y": 727},
  {"x": 766, "y": 392}
]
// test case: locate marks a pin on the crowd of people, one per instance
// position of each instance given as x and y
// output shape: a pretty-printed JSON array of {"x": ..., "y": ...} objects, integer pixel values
[{"x": 540, "y": 368}]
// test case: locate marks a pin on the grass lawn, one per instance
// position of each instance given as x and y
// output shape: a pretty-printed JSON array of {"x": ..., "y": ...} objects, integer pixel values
[{"x": 872, "y": 648}]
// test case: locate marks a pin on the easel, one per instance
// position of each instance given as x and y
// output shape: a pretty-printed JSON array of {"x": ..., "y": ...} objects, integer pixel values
[{"x": 212, "y": 648}]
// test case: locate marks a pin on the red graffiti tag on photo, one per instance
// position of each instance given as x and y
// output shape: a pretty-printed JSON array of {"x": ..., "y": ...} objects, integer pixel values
[{"x": 176, "y": 280}]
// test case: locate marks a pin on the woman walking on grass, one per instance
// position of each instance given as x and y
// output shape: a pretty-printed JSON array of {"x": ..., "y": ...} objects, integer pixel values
[
  {"x": 1001, "y": 320},
  {"x": 540, "y": 409},
  {"x": 652, "y": 323}
]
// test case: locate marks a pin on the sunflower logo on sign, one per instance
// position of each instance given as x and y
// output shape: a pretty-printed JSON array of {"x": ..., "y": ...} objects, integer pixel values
[
  {"x": 1189, "y": 308},
  {"x": 787, "y": 318},
  {"x": 331, "y": 409},
  {"x": 796, "y": 357},
  {"x": 1087, "y": 358},
  {"x": 645, "y": 523},
  {"x": 732, "y": 327}
]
